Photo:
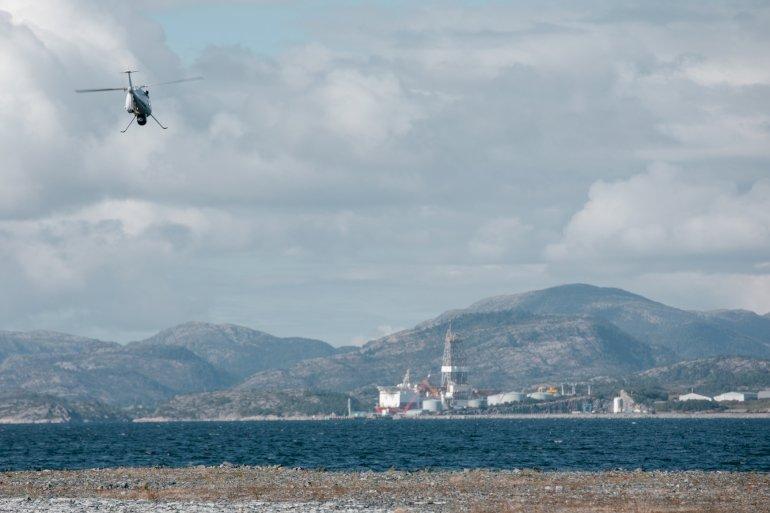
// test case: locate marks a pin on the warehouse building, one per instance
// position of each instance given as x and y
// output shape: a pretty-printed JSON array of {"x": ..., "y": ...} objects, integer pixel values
[
  {"x": 740, "y": 397},
  {"x": 692, "y": 396}
]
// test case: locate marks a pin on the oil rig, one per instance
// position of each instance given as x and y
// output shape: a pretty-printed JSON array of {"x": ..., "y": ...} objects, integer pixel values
[{"x": 454, "y": 392}]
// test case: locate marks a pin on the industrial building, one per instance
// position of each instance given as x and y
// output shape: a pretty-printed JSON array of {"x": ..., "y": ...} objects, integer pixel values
[
  {"x": 402, "y": 397},
  {"x": 763, "y": 394},
  {"x": 624, "y": 403},
  {"x": 692, "y": 396},
  {"x": 740, "y": 397}
]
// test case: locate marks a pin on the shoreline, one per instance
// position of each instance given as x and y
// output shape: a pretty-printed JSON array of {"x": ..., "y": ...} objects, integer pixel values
[
  {"x": 513, "y": 416},
  {"x": 268, "y": 489}
]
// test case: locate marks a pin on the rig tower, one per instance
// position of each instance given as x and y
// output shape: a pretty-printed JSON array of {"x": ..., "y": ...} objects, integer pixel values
[{"x": 454, "y": 372}]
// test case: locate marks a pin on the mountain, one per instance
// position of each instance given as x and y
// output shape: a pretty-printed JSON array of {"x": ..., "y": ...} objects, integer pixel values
[
  {"x": 741, "y": 321},
  {"x": 25, "y": 408},
  {"x": 237, "y": 350},
  {"x": 193, "y": 357},
  {"x": 14, "y": 343},
  {"x": 675, "y": 334},
  {"x": 564, "y": 333},
  {"x": 561, "y": 334},
  {"x": 239, "y": 404},
  {"x": 114, "y": 375},
  {"x": 712, "y": 375},
  {"x": 503, "y": 349}
]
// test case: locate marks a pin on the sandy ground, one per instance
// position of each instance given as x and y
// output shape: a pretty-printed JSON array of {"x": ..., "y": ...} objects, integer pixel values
[{"x": 276, "y": 489}]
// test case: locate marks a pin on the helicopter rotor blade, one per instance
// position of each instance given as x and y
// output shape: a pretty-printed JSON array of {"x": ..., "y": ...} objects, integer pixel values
[
  {"x": 101, "y": 90},
  {"x": 191, "y": 79}
]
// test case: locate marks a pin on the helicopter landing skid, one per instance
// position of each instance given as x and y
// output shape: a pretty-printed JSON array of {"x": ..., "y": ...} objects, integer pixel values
[{"x": 128, "y": 125}]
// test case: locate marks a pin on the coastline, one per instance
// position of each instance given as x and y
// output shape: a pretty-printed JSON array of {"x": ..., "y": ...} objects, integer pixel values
[
  {"x": 273, "y": 489},
  {"x": 514, "y": 416}
]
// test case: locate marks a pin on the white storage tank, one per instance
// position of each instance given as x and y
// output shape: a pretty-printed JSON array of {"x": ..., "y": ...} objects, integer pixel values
[
  {"x": 432, "y": 405},
  {"x": 540, "y": 396},
  {"x": 504, "y": 398},
  {"x": 475, "y": 403},
  {"x": 513, "y": 397}
]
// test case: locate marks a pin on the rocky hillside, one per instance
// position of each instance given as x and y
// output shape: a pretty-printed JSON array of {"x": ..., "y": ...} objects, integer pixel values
[
  {"x": 191, "y": 358},
  {"x": 504, "y": 349},
  {"x": 114, "y": 375},
  {"x": 675, "y": 334},
  {"x": 15, "y": 343},
  {"x": 562, "y": 334},
  {"x": 25, "y": 408},
  {"x": 236, "y": 350},
  {"x": 708, "y": 376},
  {"x": 565, "y": 333},
  {"x": 239, "y": 404},
  {"x": 712, "y": 375}
]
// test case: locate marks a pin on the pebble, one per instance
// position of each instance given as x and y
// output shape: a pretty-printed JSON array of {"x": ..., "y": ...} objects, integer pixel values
[
  {"x": 138, "y": 506},
  {"x": 275, "y": 490}
]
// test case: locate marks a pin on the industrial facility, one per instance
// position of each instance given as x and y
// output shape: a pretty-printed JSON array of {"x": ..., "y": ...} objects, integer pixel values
[
  {"x": 624, "y": 403},
  {"x": 454, "y": 392}
]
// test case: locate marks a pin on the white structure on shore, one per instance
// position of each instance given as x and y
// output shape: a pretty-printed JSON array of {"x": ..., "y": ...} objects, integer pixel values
[
  {"x": 740, "y": 397},
  {"x": 403, "y": 396},
  {"x": 624, "y": 403},
  {"x": 692, "y": 396},
  {"x": 505, "y": 398},
  {"x": 763, "y": 394}
]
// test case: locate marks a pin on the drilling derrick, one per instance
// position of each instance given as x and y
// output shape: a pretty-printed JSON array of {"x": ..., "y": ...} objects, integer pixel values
[{"x": 454, "y": 372}]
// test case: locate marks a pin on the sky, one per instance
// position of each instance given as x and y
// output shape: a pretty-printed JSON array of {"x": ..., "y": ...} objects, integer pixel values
[{"x": 351, "y": 168}]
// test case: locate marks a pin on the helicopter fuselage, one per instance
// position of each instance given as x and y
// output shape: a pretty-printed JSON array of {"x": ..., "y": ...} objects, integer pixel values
[{"x": 138, "y": 104}]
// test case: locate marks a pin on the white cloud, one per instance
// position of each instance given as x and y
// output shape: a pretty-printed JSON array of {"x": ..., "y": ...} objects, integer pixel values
[
  {"x": 64, "y": 252},
  {"x": 708, "y": 291},
  {"x": 427, "y": 152},
  {"x": 366, "y": 110},
  {"x": 500, "y": 238},
  {"x": 666, "y": 212}
]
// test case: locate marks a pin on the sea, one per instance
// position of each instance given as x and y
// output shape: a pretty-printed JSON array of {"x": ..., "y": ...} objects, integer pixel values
[{"x": 545, "y": 444}]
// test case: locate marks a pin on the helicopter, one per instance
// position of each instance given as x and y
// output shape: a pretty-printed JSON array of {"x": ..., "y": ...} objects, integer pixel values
[{"x": 138, "y": 99}]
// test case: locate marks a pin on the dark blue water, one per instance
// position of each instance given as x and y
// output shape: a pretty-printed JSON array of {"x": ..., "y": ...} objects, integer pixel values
[{"x": 548, "y": 444}]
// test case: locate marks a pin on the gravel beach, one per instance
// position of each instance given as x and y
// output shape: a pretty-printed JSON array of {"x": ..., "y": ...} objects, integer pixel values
[{"x": 277, "y": 489}]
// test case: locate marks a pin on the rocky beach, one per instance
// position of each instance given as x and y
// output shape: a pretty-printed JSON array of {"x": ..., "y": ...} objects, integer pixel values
[{"x": 278, "y": 489}]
